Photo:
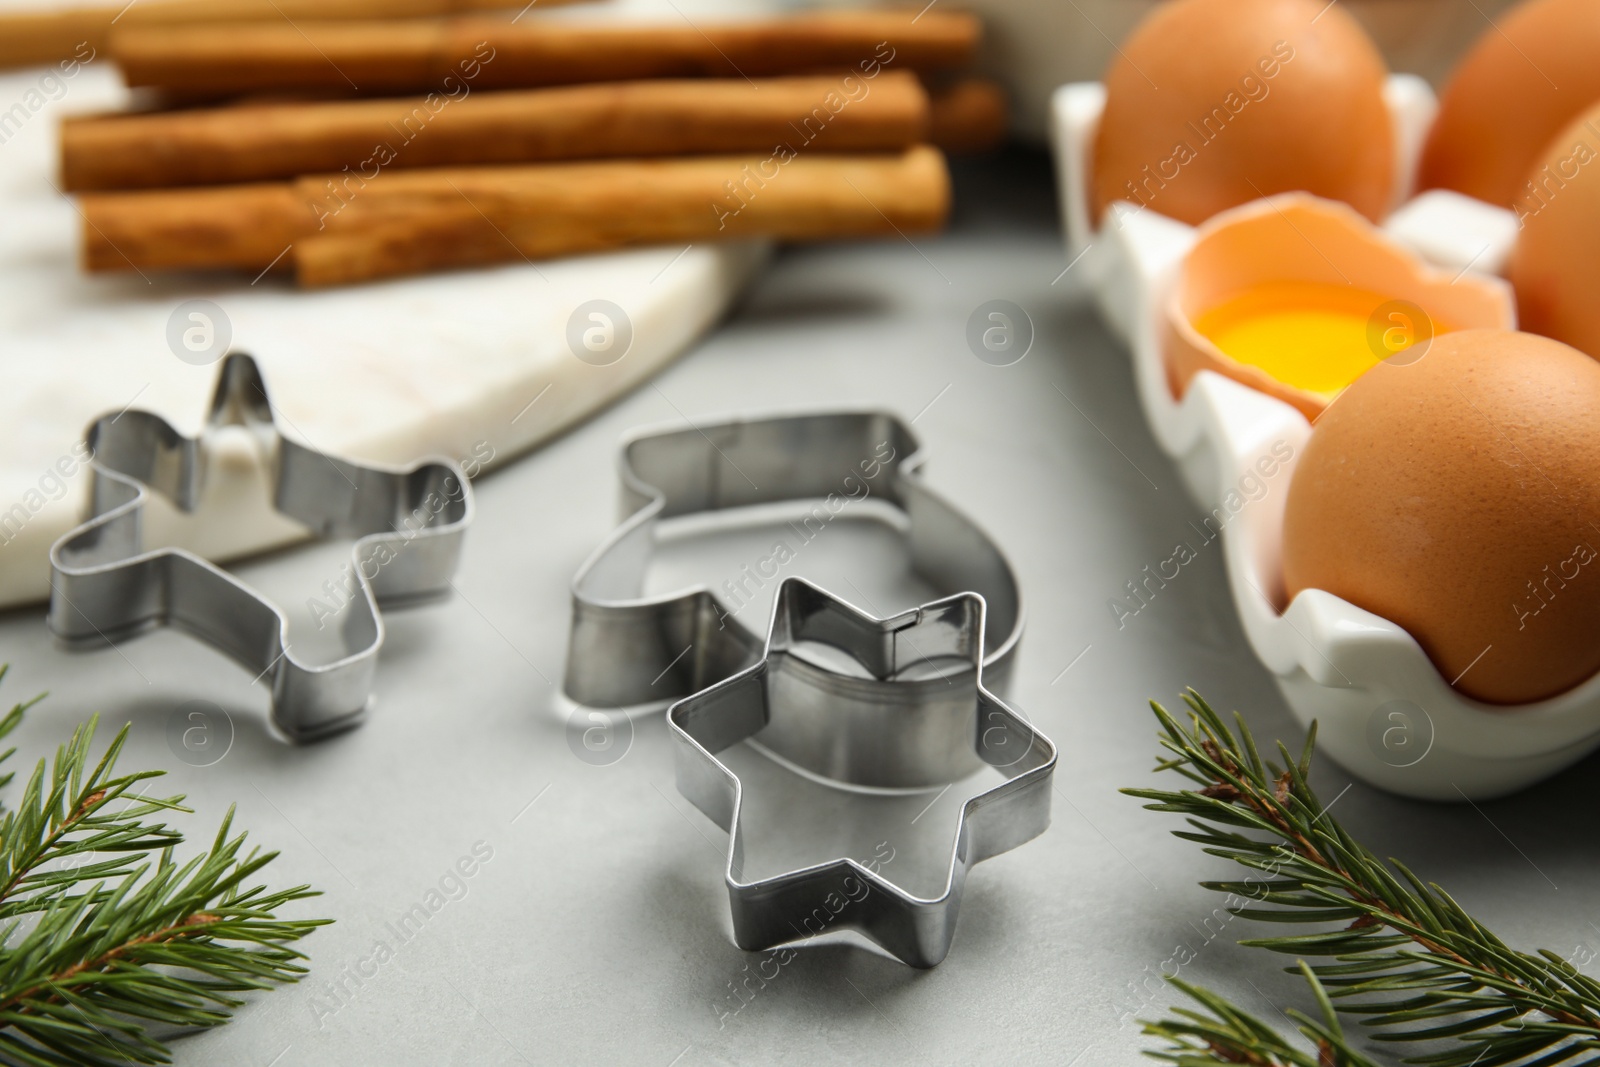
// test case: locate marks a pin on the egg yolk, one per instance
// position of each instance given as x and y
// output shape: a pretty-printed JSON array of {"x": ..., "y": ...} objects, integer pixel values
[{"x": 1308, "y": 335}]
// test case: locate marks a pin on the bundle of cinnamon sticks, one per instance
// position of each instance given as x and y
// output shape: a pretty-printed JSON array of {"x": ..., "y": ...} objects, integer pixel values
[{"x": 345, "y": 151}]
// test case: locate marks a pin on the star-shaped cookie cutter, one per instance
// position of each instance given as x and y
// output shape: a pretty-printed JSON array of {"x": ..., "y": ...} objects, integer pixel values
[
  {"x": 897, "y": 726},
  {"x": 104, "y": 585},
  {"x": 627, "y": 649}
]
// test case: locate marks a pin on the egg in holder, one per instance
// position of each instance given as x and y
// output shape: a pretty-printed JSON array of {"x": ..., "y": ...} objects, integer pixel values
[
  {"x": 1383, "y": 710},
  {"x": 1296, "y": 297}
]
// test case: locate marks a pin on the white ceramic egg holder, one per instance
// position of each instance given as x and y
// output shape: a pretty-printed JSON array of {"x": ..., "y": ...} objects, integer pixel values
[{"x": 1383, "y": 710}]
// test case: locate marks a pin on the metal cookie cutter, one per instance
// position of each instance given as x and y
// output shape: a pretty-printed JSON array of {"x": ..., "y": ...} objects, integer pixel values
[
  {"x": 104, "y": 585},
  {"x": 895, "y": 727},
  {"x": 627, "y": 649}
]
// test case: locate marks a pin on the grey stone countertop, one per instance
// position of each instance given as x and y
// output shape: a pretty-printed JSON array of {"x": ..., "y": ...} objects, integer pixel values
[{"x": 594, "y": 925}]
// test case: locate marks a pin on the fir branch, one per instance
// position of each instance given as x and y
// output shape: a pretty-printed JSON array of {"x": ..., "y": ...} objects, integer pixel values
[
  {"x": 103, "y": 933},
  {"x": 1401, "y": 954},
  {"x": 1225, "y": 1034}
]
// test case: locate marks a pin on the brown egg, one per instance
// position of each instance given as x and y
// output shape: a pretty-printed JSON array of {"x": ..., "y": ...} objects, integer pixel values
[
  {"x": 1555, "y": 266},
  {"x": 1528, "y": 76},
  {"x": 1459, "y": 497},
  {"x": 1213, "y": 103}
]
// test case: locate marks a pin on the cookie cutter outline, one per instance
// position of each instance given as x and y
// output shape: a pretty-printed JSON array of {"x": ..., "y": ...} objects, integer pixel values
[
  {"x": 104, "y": 585},
  {"x": 626, "y": 649},
  {"x": 873, "y": 732}
]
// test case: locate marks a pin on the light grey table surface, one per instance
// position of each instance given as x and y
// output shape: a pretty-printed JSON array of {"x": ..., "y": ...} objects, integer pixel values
[{"x": 598, "y": 932}]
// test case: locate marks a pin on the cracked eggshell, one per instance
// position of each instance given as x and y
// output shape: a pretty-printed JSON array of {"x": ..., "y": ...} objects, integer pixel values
[{"x": 1305, "y": 239}]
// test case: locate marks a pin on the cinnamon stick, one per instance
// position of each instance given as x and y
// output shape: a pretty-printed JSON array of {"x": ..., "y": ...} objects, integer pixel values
[
  {"x": 28, "y": 38},
  {"x": 968, "y": 117},
  {"x": 374, "y": 58},
  {"x": 331, "y": 231},
  {"x": 647, "y": 118}
]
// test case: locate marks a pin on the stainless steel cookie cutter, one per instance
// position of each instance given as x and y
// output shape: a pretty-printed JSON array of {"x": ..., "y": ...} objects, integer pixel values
[
  {"x": 895, "y": 727},
  {"x": 627, "y": 649},
  {"x": 104, "y": 585}
]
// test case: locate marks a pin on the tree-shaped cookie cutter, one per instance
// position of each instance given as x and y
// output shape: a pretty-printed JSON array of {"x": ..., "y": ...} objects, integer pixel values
[
  {"x": 408, "y": 523},
  {"x": 897, "y": 725},
  {"x": 630, "y": 649}
]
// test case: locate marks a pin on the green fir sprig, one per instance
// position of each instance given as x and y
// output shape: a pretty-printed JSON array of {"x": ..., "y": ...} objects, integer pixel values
[
  {"x": 1395, "y": 952},
  {"x": 103, "y": 935},
  {"x": 1224, "y": 1034}
]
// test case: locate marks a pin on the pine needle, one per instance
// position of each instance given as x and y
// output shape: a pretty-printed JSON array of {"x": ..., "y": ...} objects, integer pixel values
[
  {"x": 1224, "y": 1034},
  {"x": 1393, "y": 951},
  {"x": 103, "y": 934}
]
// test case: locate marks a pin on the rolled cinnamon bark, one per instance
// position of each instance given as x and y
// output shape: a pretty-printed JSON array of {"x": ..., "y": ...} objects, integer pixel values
[
  {"x": 36, "y": 37},
  {"x": 239, "y": 226},
  {"x": 968, "y": 117},
  {"x": 335, "y": 230},
  {"x": 374, "y": 58},
  {"x": 648, "y": 118}
]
